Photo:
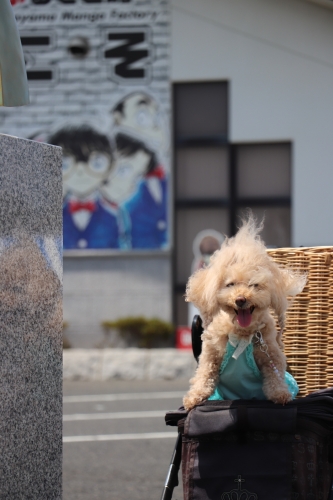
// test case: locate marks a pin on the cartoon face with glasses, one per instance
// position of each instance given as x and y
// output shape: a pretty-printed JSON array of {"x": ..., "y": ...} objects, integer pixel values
[
  {"x": 87, "y": 159},
  {"x": 138, "y": 114},
  {"x": 87, "y": 163}
]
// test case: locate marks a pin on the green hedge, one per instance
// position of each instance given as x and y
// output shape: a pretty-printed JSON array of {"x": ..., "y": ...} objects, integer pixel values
[{"x": 146, "y": 331}]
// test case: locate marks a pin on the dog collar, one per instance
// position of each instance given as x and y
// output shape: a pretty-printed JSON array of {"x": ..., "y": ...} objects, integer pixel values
[{"x": 242, "y": 343}]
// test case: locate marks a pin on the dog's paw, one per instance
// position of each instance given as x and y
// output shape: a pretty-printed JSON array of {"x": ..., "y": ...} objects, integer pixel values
[{"x": 281, "y": 397}]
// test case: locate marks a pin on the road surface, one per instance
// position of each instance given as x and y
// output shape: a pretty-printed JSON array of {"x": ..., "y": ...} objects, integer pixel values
[{"x": 116, "y": 444}]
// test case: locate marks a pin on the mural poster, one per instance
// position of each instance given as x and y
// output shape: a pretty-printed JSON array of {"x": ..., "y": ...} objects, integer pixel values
[{"x": 98, "y": 75}]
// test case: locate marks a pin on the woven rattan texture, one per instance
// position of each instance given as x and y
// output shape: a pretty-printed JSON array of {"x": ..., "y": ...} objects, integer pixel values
[{"x": 308, "y": 335}]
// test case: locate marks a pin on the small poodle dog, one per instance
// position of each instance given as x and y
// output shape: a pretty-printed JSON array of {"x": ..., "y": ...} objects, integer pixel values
[{"x": 234, "y": 294}]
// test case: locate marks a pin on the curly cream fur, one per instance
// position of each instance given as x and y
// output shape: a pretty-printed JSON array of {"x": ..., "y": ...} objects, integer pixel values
[{"x": 241, "y": 269}]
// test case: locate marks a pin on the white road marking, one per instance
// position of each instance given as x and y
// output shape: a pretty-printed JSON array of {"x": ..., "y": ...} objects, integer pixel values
[
  {"x": 118, "y": 437},
  {"x": 113, "y": 415},
  {"x": 123, "y": 397}
]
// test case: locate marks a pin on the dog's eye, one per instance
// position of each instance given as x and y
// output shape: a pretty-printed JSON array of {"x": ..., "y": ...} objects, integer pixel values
[
  {"x": 255, "y": 285},
  {"x": 230, "y": 284}
]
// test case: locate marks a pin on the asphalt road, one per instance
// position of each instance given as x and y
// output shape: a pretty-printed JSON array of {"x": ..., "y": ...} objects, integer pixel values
[{"x": 116, "y": 444}]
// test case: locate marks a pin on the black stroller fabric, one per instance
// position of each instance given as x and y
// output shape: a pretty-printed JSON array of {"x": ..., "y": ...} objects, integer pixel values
[{"x": 256, "y": 450}]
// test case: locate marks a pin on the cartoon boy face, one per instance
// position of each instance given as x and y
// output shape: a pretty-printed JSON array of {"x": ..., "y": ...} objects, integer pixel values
[
  {"x": 139, "y": 112},
  {"x": 83, "y": 177},
  {"x": 87, "y": 159},
  {"x": 127, "y": 172}
]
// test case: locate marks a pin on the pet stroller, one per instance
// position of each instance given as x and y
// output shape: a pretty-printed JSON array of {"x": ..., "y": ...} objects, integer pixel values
[{"x": 253, "y": 450}]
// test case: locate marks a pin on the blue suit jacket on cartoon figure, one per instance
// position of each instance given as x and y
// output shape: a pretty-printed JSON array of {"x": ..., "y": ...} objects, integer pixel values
[
  {"x": 148, "y": 217},
  {"x": 102, "y": 230}
]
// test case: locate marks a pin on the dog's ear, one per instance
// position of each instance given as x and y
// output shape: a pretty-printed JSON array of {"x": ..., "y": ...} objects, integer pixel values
[
  {"x": 202, "y": 290},
  {"x": 288, "y": 283},
  {"x": 294, "y": 281},
  {"x": 279, "y": 304}
]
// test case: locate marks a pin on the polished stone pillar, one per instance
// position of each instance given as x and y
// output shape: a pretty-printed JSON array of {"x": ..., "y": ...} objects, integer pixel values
[{"x": 30, "y": 320}]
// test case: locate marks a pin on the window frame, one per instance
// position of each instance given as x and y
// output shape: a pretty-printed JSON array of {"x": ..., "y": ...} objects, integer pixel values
[{"x": 233, "y": 202}]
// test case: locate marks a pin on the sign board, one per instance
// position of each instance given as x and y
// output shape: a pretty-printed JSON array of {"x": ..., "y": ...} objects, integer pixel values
[
  {"x": 98, "y": 75},
  {"x": 183, "y": 337}
]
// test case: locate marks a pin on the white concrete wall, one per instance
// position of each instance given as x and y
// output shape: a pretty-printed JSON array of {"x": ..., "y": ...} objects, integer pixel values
[
  {"x": 278, "y": 57},
  {"x": 128, "y": 364},
  {"x": 107, "y": 288}
]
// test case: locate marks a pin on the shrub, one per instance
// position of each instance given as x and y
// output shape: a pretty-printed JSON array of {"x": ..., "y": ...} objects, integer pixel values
[{"x": 146, "y": 332}]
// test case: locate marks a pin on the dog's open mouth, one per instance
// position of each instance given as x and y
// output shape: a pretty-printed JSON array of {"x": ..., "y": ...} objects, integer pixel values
[{"x": 244, "y": 316}]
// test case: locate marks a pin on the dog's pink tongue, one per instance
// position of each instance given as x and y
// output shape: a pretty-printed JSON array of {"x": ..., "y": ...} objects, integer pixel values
[{"x": 244, "y": 317}]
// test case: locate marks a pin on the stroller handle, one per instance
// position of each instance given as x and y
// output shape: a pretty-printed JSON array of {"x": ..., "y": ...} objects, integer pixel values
[{"x": 172, "y": 478}]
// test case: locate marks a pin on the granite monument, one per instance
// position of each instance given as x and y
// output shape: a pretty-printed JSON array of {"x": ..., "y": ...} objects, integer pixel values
[{"x": 31, "y": 320}]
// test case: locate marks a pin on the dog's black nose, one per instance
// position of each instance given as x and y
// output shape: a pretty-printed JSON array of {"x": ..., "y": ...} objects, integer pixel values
[{"x": 240, "y": 301}]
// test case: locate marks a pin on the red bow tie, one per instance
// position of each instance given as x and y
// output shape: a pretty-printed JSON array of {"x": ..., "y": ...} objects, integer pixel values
[
  {"x": 157, "y": 172},
  {"x": 75, "y": 206}
]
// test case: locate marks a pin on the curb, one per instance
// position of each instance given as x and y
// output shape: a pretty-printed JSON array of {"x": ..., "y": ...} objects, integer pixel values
[{"x": 127, "y": 364}]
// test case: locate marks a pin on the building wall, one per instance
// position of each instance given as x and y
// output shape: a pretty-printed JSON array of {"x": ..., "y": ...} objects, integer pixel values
[
  {"x": 277, "y": 56},
  {"x": 106, "y": 288},
  {"x": 85, "y": 90}
]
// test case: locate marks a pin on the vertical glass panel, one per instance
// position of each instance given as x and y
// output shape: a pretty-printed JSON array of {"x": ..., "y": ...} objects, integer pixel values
[
  {"x": 201, "y": 109},
  {"x": 277, "y": 230},
  {"x": 263, "y": 170},
  {"x": 192, "y": 247},
  {"x": 202, "y": 173}
]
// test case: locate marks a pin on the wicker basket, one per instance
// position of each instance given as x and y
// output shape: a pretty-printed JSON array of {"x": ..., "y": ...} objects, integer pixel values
[{"x": 308, "y": 336}]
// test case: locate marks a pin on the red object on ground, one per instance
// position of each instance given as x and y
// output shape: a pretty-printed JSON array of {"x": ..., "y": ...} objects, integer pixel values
[
  {"x": 183, "y": 337},
  {"x": 14, "y": 2}
]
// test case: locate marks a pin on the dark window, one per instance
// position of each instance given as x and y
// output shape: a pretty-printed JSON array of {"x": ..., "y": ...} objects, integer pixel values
[{"x": 216, "y": 181}]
